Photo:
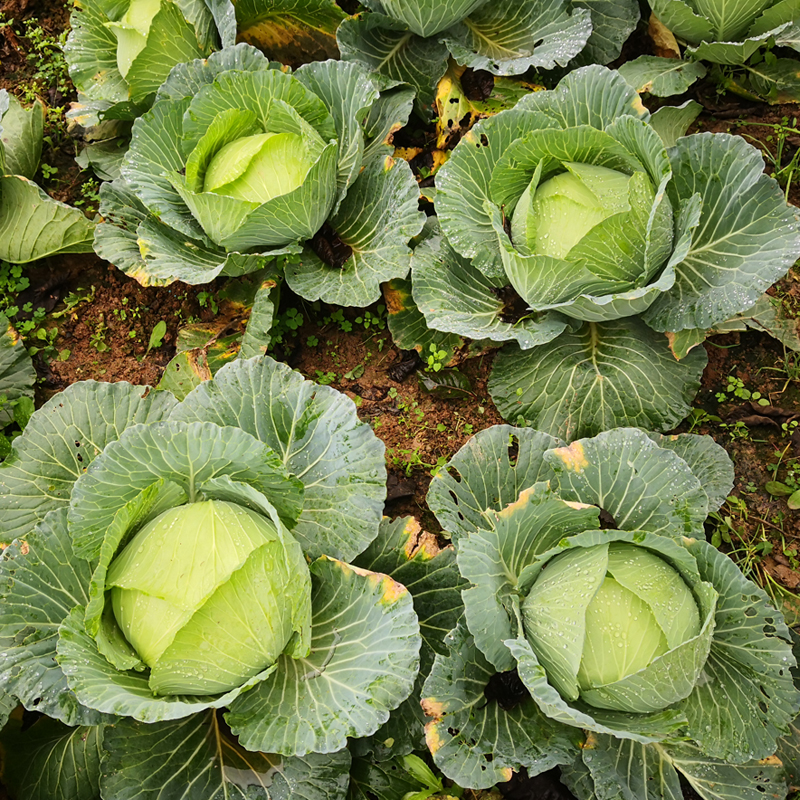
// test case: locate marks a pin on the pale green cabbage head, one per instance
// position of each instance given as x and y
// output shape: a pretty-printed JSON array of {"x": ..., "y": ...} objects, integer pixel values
[
  {"x": 259, "y": 167},
  {"x": 634, "y": 608},
  {"x": 551, "y": 218},
  {"x": 208, "y": 596}
]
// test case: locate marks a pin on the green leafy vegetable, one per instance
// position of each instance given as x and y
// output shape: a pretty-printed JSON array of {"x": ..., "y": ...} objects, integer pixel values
[{"x": 624, "y": 638}]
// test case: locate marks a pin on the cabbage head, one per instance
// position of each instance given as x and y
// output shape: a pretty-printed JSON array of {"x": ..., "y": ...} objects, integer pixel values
[
  {"x": 601, "y": 632},
  {"x": 634, "y": 610},
  {"x": 171, "y": 560},
  {"x": 178, "y": 619},
  {"x": 241, "y": 162}
]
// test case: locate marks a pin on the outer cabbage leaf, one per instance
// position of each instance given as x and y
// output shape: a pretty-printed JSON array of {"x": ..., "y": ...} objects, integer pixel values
[
  {"x": 186, "y": 80},
  {"x": 708, "y": 461},
  {"x": 20, "y": 136},
  {"x": 603, "y": 376},
  {"x": 613, "y": 21},
  {"x": 508, "y": 37},
  {"x": 592, "y": 96},
  {"x": 641, "y": 485},
  {"x": 650, "y": 772},
  {"x": 775, "y": 82},
  {"x": 672, "y": 122},
  {"x": 17, "y": 375},
  {"x": 661, "y": 77},
  {"x": 474, "y": 740},
  {"x": 60, "y": 441},
  {"x": 364, "y": 656},
  {"x": 387, "y": 47},
  {"x": 375, "y": 221},
  {"x": 33, "y": 225},
  {"x": 381, "y": 780},
  {"x": 733, "y": 258},
  {"x": 487, "y": 474},
  {"x": 412, "y": 557},
  {"x": 456, "y": 297},
  {"x": 349, "y": 95},
  {"x": 683, "y": 21},
  {"x": 192, "y": 757},
  {"x": 41, "y": 580},
  {"x": 290, "y": 31},
  {"x": 51, "y": 761},
  {"x": 154, "y": 254},
  {"x": 751, "y": 656},
  {"x": 426, "y": 17}
]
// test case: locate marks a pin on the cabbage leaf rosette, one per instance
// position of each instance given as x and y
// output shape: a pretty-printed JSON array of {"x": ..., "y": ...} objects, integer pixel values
[
  {"x": 603, "y": 244},
  {"x": 171, "y": 560},
  {"x": 412, "y": 40},
  {"x": 601, "y": 630},
  {"x": 749, "y": 45},
  {"x": 240, "y": 162}
]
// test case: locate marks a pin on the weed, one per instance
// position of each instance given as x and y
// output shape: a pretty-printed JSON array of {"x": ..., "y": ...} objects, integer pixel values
[
  {"x": 89, "y": 200},
  {"x": 370, "y": 320},
  {"x": 73, "y": 300},
  {"x": 287, "y": 323},
  {"x": 98, "y": 337},
  {"x": 12, "y": 282},
  {"x": 207, "y": 300},
  {"x": 436, "y": 358},
  {"x": 737, "y": 431},
  {"x": 736, "y": 387},
  {"x": 47, "y": 171},
  {"x": 338, "y": 317},
  {"x": 789, "y": 366},
  {"x": 44, "y": 342},
  {"x": 156, "y": 338},
  {"x": 325, "y": 378},
  {"x": 776, "y": 150},
  {"x": 355, "y": 373}
]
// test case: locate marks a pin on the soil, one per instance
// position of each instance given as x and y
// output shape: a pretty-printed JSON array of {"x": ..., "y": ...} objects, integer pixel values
[{"x": 100, "y": 323}]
